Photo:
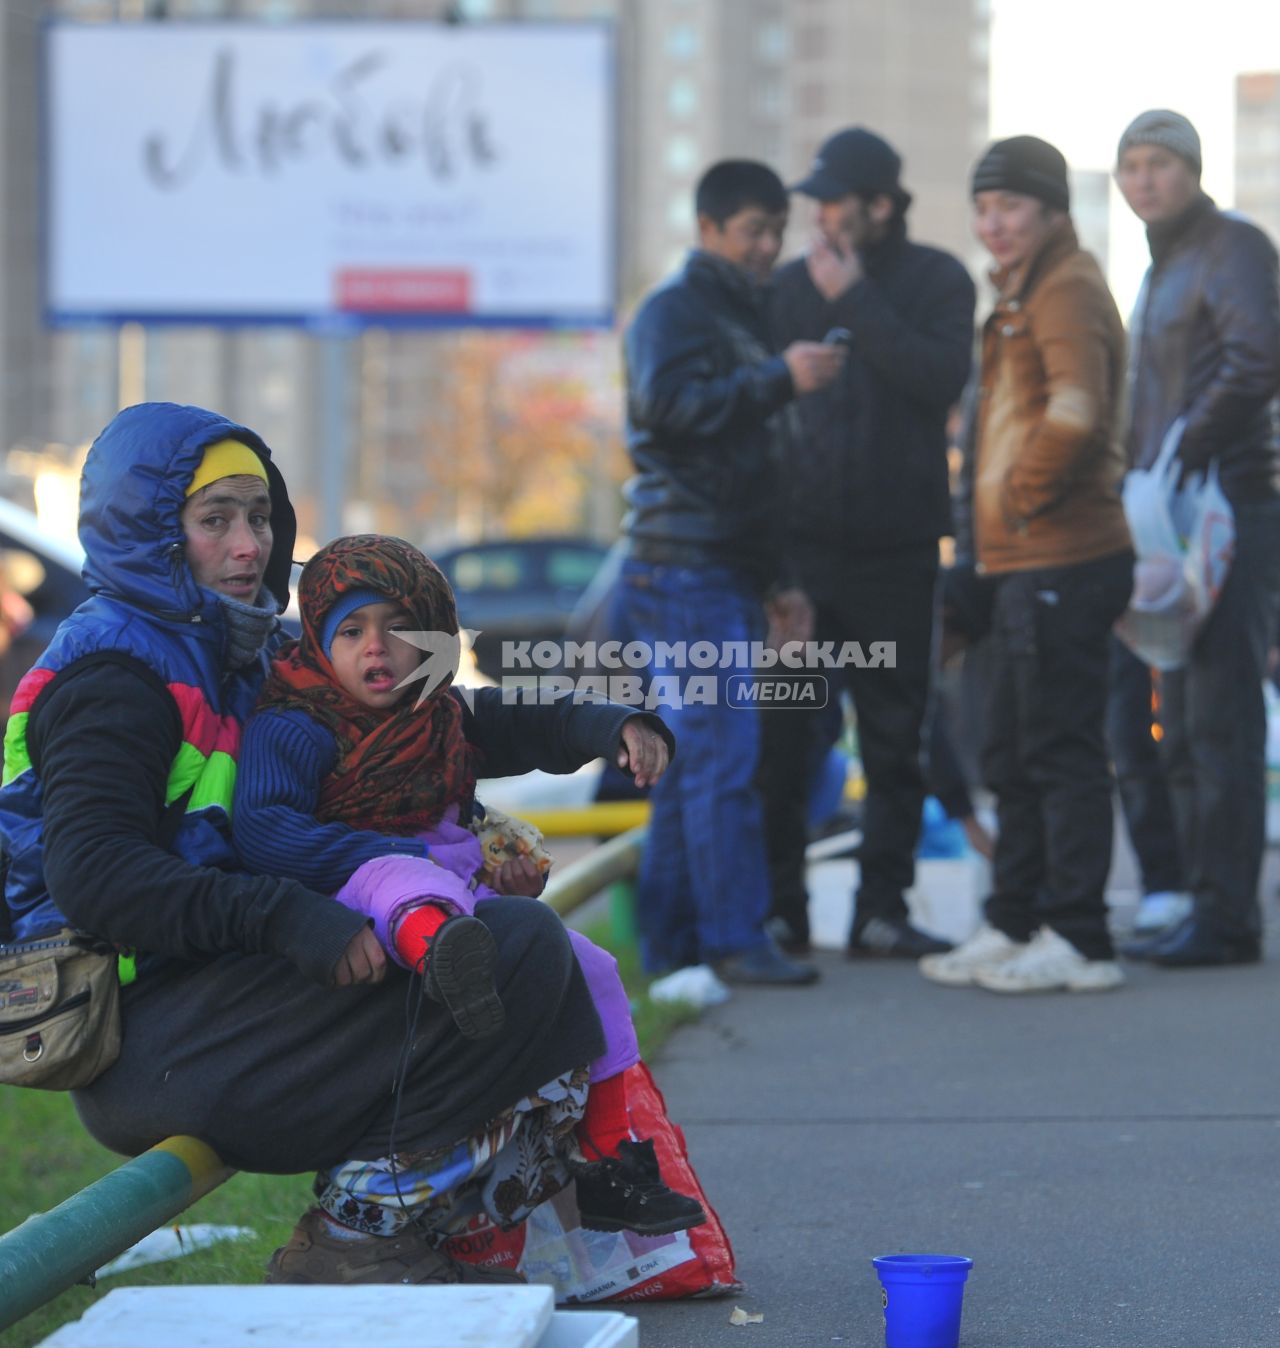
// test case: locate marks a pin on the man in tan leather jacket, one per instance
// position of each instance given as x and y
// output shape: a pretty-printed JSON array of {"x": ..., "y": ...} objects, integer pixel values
[{"x": 1052, "y": 542}]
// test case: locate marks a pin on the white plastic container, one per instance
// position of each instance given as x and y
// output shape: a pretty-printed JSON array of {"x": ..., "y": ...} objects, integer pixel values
[{"x": 390, "y": 1316}]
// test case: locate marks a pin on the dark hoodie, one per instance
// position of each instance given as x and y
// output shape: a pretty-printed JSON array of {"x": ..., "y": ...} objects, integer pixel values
[{"x": 869, "y": 470}]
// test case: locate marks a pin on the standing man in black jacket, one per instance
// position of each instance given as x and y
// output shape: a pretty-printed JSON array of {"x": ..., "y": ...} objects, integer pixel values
[
  {"x": 707, "y": 403},
  {"x": 1206, "y": 348},
  {"x": 867, "y": 502}
]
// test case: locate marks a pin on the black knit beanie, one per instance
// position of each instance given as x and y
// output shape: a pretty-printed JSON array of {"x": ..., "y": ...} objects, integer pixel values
[{"x": 1027, "y": 165}]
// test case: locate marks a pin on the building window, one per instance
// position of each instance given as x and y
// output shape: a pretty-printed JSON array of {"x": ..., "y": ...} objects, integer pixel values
[
  {"x": 766, "y": 98},
  {"x": 682, "y": 99},
  {"x": 811, "y": 100},
  {"x": 682, "y": 42},
  {"x": 811, "y": 42},
  {"x": 682, "y": 154},
  {"x": 771, "y": 42}
]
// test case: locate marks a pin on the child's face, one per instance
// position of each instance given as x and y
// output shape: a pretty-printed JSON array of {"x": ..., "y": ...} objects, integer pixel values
[{"x": 369, "y": 659}]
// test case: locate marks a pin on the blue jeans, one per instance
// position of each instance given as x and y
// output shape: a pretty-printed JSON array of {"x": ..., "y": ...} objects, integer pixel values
[{"x": 703, "y": 888}]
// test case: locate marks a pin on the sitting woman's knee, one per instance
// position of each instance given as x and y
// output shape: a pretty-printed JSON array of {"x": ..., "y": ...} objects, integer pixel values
[{"x": 527, "y": 934}]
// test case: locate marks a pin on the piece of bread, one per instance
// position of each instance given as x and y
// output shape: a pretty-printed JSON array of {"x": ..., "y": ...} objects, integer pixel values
[{"x": 504, "y": 838}]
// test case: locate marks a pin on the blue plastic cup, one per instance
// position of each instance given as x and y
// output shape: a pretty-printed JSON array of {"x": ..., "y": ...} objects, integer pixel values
[{"x": 922, "y": 1298}]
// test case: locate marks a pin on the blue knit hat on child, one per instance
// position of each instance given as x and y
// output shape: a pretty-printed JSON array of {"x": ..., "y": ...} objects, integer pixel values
[{"x": 344, "y": 607}]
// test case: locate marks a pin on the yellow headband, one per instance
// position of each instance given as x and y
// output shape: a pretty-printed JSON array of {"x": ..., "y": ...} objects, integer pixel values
[{"x": 228, "y": 458}]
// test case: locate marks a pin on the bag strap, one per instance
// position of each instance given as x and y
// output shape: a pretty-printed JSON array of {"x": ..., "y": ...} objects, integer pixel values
[
  {"x": 6, "y": 918},
  {"x": 1163, "y": 465}
]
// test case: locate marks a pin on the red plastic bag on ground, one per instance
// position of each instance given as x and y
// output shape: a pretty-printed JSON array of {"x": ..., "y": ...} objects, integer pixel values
[{"x": 552, "y": 1248}]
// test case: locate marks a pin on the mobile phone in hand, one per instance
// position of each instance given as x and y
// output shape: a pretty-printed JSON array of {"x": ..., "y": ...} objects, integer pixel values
[{"x": 838, "y": 337}]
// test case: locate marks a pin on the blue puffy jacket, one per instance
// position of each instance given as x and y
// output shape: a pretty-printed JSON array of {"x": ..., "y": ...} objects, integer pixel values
[{"x": 145, "y": 606}]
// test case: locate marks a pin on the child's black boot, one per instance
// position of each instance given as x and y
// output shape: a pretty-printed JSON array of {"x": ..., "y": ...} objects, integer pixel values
[
  {"x": 460, "y": 971},
  {"x": 626, "y": 1193}
]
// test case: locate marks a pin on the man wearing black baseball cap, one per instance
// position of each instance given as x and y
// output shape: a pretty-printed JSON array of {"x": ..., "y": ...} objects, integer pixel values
[
  {"x": 856, "y": 161},
  {"x": 866, "y": 505}
]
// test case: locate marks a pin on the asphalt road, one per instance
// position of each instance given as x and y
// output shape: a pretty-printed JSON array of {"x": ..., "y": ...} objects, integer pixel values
[{"x": 1110, "y": 1162}]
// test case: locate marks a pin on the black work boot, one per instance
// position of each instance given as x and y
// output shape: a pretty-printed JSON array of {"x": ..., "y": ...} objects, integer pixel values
[
  {"x": 626, "y": 1193},
  {"x": 460, "y": 969}
]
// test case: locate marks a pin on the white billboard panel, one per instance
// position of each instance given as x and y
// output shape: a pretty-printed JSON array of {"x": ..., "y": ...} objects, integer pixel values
[{"x": 382, "y": 172}]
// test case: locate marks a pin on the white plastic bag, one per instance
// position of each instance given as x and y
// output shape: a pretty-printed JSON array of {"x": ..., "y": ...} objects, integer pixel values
[{"x": 1184, "y": 541}]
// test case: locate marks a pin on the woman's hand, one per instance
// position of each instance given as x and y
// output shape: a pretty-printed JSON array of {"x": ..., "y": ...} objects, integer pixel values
[
  {"x": 517, "y": 877},
  {"x": 643, "y": 752},
  {"x": 363, "y": 961}
]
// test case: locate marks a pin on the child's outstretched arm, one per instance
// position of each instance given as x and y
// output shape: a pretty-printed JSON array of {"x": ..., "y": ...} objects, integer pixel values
[
  {"x": 644, "y": 752},
  {"x": 557, "y": 736}
]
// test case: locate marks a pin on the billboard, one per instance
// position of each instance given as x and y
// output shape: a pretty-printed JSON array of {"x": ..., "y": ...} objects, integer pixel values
[{"x": 330, "y": 172}]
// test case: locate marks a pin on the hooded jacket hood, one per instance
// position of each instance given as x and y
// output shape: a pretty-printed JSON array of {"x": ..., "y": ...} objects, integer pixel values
[{"x": 132, "y": 493}]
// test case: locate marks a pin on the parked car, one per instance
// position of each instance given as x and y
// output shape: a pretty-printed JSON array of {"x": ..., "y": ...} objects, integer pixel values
[
  {"x": 44, "y": 571},
  {"x": 518, "y": 589}
]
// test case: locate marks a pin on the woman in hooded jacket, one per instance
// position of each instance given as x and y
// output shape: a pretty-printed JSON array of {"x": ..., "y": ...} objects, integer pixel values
[{"x": 257, "y": 1014}]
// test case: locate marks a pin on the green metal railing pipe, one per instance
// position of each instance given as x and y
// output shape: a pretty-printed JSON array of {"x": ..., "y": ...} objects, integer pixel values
[
  {"x": 54, "y": 1250},
  {"x": 618, "y": 859}
]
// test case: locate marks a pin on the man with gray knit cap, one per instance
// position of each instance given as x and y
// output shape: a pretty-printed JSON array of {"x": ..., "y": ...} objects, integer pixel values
[{"x": 1206, "y": 349}]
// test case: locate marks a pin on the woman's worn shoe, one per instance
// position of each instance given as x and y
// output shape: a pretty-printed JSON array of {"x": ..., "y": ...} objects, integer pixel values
[
  {"x": 626, "y": 1193},
  {"x": 460, "y": 969},
  {"x": 315, "y": 1255}
]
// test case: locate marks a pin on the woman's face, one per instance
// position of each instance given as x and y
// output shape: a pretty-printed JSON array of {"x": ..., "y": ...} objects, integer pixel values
[
  {"x": 228, "y": 529},
  {"x": 1012, "y": 226},
  {"x": 369, "y": 660}
]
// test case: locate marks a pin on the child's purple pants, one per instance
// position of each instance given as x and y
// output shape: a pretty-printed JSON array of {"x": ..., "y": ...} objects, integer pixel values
[{"x": 388, "y": 887}]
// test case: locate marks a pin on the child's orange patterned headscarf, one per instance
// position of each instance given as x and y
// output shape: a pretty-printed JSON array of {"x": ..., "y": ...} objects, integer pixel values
[{"x": 398, "y": 769}]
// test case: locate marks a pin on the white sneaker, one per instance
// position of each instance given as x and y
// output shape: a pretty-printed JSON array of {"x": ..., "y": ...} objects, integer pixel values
[
  {"x": 985, "y": 949},
  {"x": 1050, "y": 964},
  {"x": 1161, "y": 911},
  {"x": 695, "y": 985}
]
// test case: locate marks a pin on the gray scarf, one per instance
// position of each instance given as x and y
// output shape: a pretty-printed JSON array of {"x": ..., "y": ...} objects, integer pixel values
[{"x": 248, "y": 627}]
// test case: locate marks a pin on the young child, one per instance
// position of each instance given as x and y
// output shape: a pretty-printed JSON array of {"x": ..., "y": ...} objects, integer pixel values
[{"x": 352, "y": 782}]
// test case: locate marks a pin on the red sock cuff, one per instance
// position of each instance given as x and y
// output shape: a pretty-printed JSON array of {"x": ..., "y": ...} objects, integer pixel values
[
  {"x": 605, "y": 1122},
  {"x": 414, "y": 932}
]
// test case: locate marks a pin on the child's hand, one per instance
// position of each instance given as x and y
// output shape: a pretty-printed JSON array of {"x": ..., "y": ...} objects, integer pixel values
[
  {"x": 643, "y": 751},
  {"x": 517, "y": 876}
]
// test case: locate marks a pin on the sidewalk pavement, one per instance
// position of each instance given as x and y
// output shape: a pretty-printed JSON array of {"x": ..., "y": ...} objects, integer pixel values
[{"x": 1110, "y": 1161}]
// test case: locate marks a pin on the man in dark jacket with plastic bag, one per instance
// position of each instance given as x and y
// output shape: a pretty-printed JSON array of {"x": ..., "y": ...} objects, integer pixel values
[{"x": 1207, "y": 348}]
